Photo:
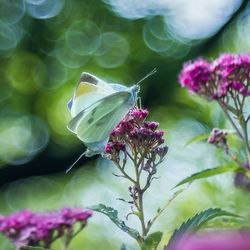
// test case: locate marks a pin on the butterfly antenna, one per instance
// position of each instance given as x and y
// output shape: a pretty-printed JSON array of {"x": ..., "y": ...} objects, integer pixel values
[
  {"x": 148, "y": 75},
  {"x": 78, "y": 159}
]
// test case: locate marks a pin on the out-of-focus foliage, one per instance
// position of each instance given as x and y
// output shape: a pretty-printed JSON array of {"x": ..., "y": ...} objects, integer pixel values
[{"x": 46, "y": 44}]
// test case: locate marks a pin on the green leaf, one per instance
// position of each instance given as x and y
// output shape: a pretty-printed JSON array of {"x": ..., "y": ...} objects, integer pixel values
[
  {"x": 113, "y": 216},
  {"x": 152, "y": 241},
  {"x": 208, "y": 173},
  {"x": 194, "y": 223},
  {"x": 197, "y": 138}
]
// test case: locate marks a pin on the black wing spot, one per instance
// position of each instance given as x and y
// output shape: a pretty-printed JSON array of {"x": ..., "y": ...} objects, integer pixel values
[
  {"x": 90, "y": 120},
  {"x": 93, "y": 111},
  {"x": 99, "y": 123},
  {"x": 85, "y": 77}
]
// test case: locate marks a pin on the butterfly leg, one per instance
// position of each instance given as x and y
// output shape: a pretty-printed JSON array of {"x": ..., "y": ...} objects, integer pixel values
[{"x": 138, "y": 104}]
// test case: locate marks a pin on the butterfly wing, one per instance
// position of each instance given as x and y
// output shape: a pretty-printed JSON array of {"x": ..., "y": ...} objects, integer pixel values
[
  {"x": 94, "y": 124},
  {"x": 89, "y": 90}
]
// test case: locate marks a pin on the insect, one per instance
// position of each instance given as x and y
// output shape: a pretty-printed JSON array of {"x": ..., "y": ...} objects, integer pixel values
[{"x": 96, "y": 108}]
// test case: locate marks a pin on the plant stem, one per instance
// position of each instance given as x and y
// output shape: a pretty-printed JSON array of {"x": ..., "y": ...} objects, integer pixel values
[
  {"x": 230, "y": 119},
  {"x": 243, "y": 124},
  {"x": 125, "y": 174},
  {"x": 140, "y": 196},
  {"x": 142, "y": 219},
  {"x": 245, "y": 133}
]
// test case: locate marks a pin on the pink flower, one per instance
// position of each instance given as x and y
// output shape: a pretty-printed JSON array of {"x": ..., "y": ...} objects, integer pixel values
[
  {"x": 11, "y": 224},
  {"x": 134, "y": 134},
  {"x": 72, "y": 215},
  {"x": 215, "y": 241},
  {"x": 25, "y": 228},
  {"x": 224, "y": 77},
  {"x": 139, "y": 114},
  {"x": 195, "y": 75}
]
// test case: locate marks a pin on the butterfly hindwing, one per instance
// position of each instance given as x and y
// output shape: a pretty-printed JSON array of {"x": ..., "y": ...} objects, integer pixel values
[
  {"x": 74, "y": 123},
  {"x": 96, "y": 124}
]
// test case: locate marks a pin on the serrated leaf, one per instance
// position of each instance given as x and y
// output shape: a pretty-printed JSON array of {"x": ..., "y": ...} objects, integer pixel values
[
  {"x": 152, "y": 241},
  {"x": 208, "y": 173},
  {"x": 113, "y": 216},
  {"x": 194, "y": 223},
  {"x": 197, "y": 139}
]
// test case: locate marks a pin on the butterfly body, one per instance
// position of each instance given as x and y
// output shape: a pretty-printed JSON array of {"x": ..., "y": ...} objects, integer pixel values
[{"x": 96, "y": 108}]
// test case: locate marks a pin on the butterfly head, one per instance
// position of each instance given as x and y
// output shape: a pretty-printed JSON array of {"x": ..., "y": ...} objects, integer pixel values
[{"x": 134, "y": 90}]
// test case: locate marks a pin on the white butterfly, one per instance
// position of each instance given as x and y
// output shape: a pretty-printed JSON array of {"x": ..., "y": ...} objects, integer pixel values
[{"x": 96, "y": 108}]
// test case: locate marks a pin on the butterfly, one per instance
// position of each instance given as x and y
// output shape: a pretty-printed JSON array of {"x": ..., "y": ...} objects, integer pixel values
[{"x": 96, "y": 108}]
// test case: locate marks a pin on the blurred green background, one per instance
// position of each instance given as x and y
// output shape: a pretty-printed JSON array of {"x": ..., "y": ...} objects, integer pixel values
[{"x": 44, "y": 47}]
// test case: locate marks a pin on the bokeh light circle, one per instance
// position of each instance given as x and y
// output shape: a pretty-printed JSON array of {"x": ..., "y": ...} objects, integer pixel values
[
  {"x": 26, "y": 72},
  {"x": 83, "y": 37},
  {"x": 20, "y": 194},
  {"x": 157, "y": 27},
  {"x": 187, "y": 20},
  {"x": 21, "y": 138},
  {"x": 157, "y": 38},
  {"x": 67, "y": 57},
  {"x": 35, "y": 2},
  {"x": 11, "y": 12},
  {"x": 58, "y": 115},
  {"x": 136, "y": 9},
  {"x": 113, "y": 51},
  {"x": 44, "y": 9},
  {"x": 56, "y": 74},
  {"x": 8, "y": 37},
  {"x": 242, "y": 40}
]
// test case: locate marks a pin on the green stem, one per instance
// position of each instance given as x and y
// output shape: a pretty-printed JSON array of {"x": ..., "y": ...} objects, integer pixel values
[
  {"x": 66, "y": 243},
  {"x": 230, "y": 119},
  {"x": 142, "y": 219},
  {"x": 125, "y": 174},
  {"x": 243, "y": 124},
  {"x": 137, "y": 164},
  {"x": 140, "y": 197}
]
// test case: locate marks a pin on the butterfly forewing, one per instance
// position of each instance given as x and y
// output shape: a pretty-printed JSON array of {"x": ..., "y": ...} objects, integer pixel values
[
  {"x": 74, "y": 123},
  {"x": 85, "y": 96}
]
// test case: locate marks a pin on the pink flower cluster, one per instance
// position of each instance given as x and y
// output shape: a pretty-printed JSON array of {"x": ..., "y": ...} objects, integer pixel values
[
  {"x": 227, "y": 76},
  {"x": 139, "y": 135},
  {"x": 215, "y": 241},
  {"x": 26, "y": 228}
]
